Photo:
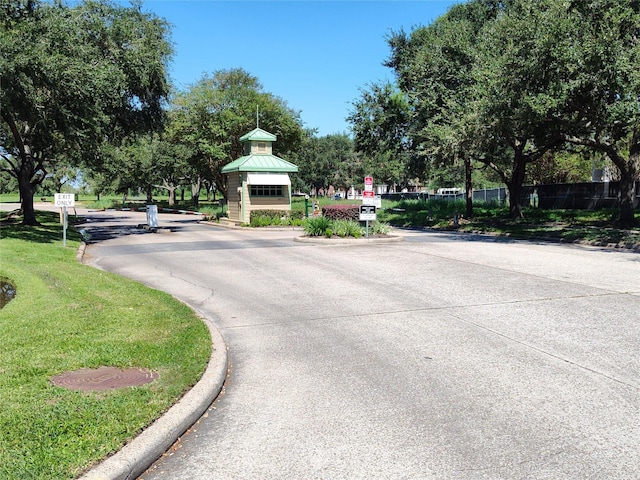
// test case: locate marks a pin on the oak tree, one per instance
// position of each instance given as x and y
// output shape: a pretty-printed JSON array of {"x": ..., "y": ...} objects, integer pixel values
[{"x": 73, "y": 78}]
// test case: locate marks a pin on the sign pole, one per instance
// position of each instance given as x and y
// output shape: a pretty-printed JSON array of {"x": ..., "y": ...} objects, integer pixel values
[{"x": 64, "y": 226}]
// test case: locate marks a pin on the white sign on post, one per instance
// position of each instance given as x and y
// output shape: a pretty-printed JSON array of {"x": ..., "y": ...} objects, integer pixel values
[
  {"x": 367, "y": 213},
  {"x": 369, "y": 198},
  {"x": 368, "y": 184},
  {"x": 64, "y": 199}
]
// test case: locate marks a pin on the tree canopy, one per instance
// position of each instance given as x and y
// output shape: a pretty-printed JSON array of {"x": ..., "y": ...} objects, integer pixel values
[
  {"x": 381, "y": 120},
  {"x": 505, "y": 84},
  {"x": 216, "y": 111},
  {"x": 74, "y": 77},
  {"x": 328, "y": 160}
]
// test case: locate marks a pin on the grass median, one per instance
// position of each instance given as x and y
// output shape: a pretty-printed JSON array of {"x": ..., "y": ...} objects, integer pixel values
[
  {"x": 67, "y": 316},
  {"x": 595, "y": 227}
]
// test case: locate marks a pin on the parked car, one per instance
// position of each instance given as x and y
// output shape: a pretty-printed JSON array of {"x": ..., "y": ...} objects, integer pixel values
[{"x": 337, "y": 196}]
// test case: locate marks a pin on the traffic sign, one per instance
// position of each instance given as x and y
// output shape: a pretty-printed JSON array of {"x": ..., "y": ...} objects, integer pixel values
[
  {"x": 64, "y": 199},
  {"x": 368, "y": 184},
  {"x": 367, "y": 213},
  {"x": 368, "y": 194},
  {"x": 376, "y": 201}
]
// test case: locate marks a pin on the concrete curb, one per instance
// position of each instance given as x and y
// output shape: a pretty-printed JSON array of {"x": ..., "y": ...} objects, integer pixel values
[
  {"x": 135, "y": 457},
  {"x": 138, "y": 455},
  {"x": 349, "y": 241},
  {"x": 541, "y": 238}
]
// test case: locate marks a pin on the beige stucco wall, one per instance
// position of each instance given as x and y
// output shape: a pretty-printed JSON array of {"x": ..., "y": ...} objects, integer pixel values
[
  {"x": 239, "y": 212},
  {"x": 234, "y": 206}
]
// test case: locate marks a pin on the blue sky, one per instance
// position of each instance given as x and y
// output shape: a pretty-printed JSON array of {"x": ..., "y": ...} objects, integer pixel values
[{"x": 316, "y": 55}]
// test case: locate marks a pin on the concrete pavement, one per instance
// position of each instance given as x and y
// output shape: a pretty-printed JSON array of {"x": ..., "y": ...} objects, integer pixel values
[{"x": 441, "y": 357}]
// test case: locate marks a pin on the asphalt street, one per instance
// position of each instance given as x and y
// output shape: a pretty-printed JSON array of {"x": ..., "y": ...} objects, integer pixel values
[{"x": 441, "y": 357}]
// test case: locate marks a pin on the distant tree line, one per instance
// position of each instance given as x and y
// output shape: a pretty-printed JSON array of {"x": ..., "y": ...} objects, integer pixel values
[{"x": 491, "y": 92}]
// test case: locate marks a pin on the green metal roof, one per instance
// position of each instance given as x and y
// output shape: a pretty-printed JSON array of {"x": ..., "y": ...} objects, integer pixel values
[
  {"x": 259, "y": 135},
  {"x": 260, "y": 163}
]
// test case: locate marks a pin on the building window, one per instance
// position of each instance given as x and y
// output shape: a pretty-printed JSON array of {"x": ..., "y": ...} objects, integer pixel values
[
  {"x": 261, "y": 147},
  {"x": 266, "y": 190}
]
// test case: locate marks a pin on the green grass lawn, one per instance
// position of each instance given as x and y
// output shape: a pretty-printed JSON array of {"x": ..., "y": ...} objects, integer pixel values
[
  {"x": 66, "y": 316},
  {"x": 595, "y": 227}
]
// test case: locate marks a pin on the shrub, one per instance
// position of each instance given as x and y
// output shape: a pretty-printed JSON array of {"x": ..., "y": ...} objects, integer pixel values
[
  {"x": 265, "y": 218},
  {"x": 347, "y": 228},
  {"x": 295, "y": 215},
  {"x": 380, "y": 228},
  {"x": 317, "y": 226},
  {"x": 341, "y": 212}
]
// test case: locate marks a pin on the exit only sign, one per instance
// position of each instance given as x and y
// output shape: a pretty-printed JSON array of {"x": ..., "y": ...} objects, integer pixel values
[{"x": 64, "y": 199}]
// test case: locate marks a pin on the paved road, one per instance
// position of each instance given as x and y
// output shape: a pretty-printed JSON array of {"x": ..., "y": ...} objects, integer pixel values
[{"x": 440, "y": 357}]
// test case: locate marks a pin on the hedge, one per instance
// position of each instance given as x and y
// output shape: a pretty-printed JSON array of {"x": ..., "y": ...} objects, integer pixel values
[
  {"x": 265, "y": 218},
  {"x": 342, "y": 212}
]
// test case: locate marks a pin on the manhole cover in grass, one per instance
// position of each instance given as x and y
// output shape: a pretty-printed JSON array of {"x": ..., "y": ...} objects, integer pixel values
[
  {"x": 7, "y": 291},
  {"x": 104, "y": 378}
]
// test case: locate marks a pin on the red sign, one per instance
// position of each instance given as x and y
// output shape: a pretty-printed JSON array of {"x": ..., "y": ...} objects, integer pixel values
[
  {"x": 368, "y": 194},
  {"x": 368, "y": 180}
]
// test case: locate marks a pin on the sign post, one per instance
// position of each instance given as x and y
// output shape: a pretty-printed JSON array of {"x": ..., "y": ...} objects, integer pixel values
[
  {"x": 368, "y": 208},
  {"x": 64, "y": 200}
]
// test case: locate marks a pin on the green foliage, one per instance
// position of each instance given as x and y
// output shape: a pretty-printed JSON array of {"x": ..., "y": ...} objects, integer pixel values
[
  {"x": 381, "y": 120},
  {"x": 347, "y": 228},
  {"x": 596, "y": 227},
  {"x": 263, "y": 218},
  {"x": 323, "y": 226},
  {"x": 101, "y": 204},
  {"x": 216, "y": 111},
  {"x": 317, "y": 226},
  {"x": 328, "y": 160},
  {"x": 421, "y": 213},
  {"x": 507, "y": 84},
  {"x": 380, "y": 228},
  {"x": 68, "y": 316},
  {"x": 268, "y": 218},
  {"x": 71, "y": 78}
]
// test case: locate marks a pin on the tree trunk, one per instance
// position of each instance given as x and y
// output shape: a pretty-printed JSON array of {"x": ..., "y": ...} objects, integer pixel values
[
  {"x": 149, "y": 194},
  {"x": 172, "y": 195},
  {"x": 196, "y": 186},
  {"x": 627, "y": 194},
  {"x": 515, "y": 185},
  {"x": 468, "y": 187},
  {"x": 26, "y": 194}
]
